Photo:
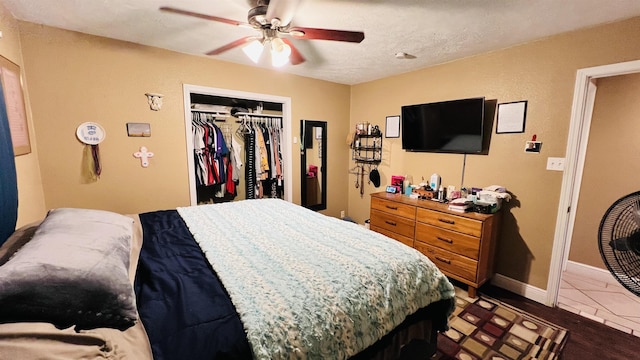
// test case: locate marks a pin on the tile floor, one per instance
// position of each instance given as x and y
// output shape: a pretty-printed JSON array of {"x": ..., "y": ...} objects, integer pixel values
[{"x": 604, "y": 301}]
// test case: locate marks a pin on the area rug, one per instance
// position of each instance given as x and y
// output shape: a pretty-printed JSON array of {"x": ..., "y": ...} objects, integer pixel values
[{"x": 489, "y": 329}]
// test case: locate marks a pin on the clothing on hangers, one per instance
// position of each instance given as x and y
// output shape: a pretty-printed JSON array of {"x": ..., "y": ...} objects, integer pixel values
[
  {"x": 263, "y": 156},
  {"x": 211, "y": 153}
]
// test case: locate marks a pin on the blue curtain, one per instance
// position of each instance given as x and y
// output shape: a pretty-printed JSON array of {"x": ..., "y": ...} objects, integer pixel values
[{"x": 8, "y": 182}]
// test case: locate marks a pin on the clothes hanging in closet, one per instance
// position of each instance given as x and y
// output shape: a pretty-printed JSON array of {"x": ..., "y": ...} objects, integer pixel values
[
  {"x": 263, "y": 156},
  {"x": 213, "y": 163}
]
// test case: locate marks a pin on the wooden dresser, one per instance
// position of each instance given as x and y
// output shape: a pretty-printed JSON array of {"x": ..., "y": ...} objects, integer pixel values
[{"x": 462, "y": 245}]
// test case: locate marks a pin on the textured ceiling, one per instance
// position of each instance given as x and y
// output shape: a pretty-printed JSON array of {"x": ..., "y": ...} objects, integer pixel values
[{"x": 434, "y": 31}]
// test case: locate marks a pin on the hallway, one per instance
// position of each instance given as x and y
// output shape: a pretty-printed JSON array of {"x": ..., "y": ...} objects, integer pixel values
[{"x": 601, "y": 298}]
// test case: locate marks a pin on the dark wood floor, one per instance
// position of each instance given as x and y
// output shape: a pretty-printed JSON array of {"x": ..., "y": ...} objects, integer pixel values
[{"x": 588, "y": 339}]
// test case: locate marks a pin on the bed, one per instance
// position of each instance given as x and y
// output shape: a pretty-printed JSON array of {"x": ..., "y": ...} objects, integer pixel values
[{"x": 261, "y": 279}]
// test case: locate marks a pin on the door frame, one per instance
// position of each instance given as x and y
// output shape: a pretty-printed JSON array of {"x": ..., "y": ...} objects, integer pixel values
[
  {"x": 583, "y": 100},
  {"x": 286, "y": 127}
]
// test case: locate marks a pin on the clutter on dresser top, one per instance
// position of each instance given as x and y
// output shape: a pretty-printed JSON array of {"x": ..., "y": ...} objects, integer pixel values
[{"x": 487, "y": 200}]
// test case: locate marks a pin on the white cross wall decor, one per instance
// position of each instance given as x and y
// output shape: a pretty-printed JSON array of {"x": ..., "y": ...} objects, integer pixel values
[{"x": 143, "y": 155}]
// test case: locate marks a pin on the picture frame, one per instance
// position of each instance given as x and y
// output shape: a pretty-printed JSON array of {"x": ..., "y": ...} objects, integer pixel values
[
  {"x": 139, "y": 129},
  {"x": 392, "y": 127},
  {"x": 533, "y": 146},
  {"x": 14, "y": 106},
  {"x": 511, "y": 117}
]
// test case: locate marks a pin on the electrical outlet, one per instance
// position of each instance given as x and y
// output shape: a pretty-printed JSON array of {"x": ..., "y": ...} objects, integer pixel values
[
  {"x": 555, "y": 164},
  {"x": 341, "y": 214}
]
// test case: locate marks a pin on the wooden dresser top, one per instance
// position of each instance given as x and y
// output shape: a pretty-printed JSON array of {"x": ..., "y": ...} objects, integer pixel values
[{"x": 429, "y": 204}]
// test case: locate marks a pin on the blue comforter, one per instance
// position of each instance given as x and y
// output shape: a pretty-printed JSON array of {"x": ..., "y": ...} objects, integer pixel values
[{"x": 184, "y": 308}]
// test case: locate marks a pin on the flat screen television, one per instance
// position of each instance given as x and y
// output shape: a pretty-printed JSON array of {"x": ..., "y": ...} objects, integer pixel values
[{"x": 454, "y": 126}]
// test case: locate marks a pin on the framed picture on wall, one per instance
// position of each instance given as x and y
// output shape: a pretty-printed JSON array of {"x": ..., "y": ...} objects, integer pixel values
[
  {"x": 392, "y": 128},
  {"x": 14, "y": 106},
  {"x": 511, "y": 117},
  {"x": 139, "y": 129}
]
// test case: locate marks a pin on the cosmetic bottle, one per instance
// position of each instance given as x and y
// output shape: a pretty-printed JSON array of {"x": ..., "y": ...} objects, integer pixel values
[{"x": 434, "y": 182}]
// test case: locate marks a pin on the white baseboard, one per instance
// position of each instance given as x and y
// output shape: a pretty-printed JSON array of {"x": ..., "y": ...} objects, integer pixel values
[
  {"x": 591, "y": 272},
  {"x": 540, "y": 295},
  {"x": 520, "y": 288}
]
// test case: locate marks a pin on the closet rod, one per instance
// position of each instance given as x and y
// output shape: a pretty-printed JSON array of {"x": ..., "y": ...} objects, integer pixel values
[
  {"x": 279, "y": 121},
  {"x": 215, "y": 116},
  {"x": 258, "y": 115},
  {"x": 221, "y": 113}
]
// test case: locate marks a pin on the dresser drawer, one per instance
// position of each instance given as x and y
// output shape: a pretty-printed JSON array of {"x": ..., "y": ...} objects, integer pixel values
[
  {"x": 449, "y": 262},
  {"x": 403, "y": 239},
  {"x": 450, "y": 222},
  {"x": 397, "y": 224},
  {"x": 455, "y": 242},
  {"x": 391, "y": 207}
]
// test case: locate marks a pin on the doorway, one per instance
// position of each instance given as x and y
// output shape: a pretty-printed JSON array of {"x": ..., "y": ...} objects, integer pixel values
[
  {"x": 583, "y": 103},
  {"x": 284, "y": 104}
]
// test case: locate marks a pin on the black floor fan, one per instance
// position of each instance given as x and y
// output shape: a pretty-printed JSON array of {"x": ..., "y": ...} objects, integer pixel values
[{"x": 619, "y": 241}]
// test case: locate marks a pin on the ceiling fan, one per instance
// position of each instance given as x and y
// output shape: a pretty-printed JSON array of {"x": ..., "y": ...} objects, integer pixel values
[{"x": 272, "y": 18}]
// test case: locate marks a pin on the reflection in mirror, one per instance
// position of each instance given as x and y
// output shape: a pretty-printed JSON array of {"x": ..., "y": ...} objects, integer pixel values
[{"x": 313, "y": 164}]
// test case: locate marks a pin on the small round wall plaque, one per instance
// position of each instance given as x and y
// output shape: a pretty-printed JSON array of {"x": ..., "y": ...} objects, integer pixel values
[{"x": 90, "y": 133}]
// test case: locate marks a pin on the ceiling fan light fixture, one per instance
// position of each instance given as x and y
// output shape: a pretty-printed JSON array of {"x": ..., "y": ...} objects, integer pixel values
[
  {"x": 277, "y": 44},
  {"x": 275, "y": 23},
  {"x": 254, "y": 50},
  {"x": 280, "y": 52}
]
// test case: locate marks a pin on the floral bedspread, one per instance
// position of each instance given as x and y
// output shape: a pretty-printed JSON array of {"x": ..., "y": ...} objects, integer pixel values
[{"x": 310, "y": 286}]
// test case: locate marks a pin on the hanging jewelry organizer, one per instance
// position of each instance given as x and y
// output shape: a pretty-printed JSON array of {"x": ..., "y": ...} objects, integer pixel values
[{"x": 366, "y": 151}]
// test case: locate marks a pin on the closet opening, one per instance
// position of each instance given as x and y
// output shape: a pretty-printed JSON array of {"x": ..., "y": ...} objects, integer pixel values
[{"x": 238, "y": 145}]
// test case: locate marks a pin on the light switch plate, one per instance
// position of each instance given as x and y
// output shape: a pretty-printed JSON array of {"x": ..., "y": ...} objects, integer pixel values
[{"x": 555, "y": 163}]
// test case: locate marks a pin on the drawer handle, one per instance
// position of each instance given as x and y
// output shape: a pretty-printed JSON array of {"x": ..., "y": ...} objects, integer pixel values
[
  {"x": 448, "y": 262},
  {"x": 392, "y": 207},
  {"x": 449, "y": 241},
  {"x": 390, "y": 223},
  {"x": 447, "y": 221}
]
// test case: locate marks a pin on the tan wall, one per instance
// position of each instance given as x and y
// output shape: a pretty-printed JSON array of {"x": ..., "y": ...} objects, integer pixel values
[
  {"x": 611, "y": 167},
  {"x": 543, "y": 73},
  {"x": 78, "y": 78},
  {"x": 30, "y": 193}
]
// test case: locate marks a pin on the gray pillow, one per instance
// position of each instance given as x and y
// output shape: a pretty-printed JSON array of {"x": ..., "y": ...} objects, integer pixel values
[{"x": 73, "y": 272}]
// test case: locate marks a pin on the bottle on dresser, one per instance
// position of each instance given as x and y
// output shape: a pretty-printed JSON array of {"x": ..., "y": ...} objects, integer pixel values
[{"x": 434, "y": 182}]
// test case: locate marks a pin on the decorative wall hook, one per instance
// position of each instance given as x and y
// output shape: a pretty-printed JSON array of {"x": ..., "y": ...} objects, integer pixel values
[
  {"x": 155, "y": 101},
  {"x": 143, "y": 155}
]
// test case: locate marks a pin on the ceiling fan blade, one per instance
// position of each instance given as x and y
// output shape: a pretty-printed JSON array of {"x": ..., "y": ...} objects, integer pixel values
[
  {"x": 231, "y": 45},
  {"x": 283, "y": 10},
  {"x": 326, "y": 34},
  {"x": 295, "y": 58},
  {"x": 202, "y": 16}
]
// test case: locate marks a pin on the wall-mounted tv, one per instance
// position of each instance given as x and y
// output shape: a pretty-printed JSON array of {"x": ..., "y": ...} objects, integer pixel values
[{"x": 455, "y": 126}]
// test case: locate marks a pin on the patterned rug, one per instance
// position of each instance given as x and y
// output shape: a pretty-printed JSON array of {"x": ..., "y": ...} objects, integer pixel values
[{"x": 488, "y": 329}]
